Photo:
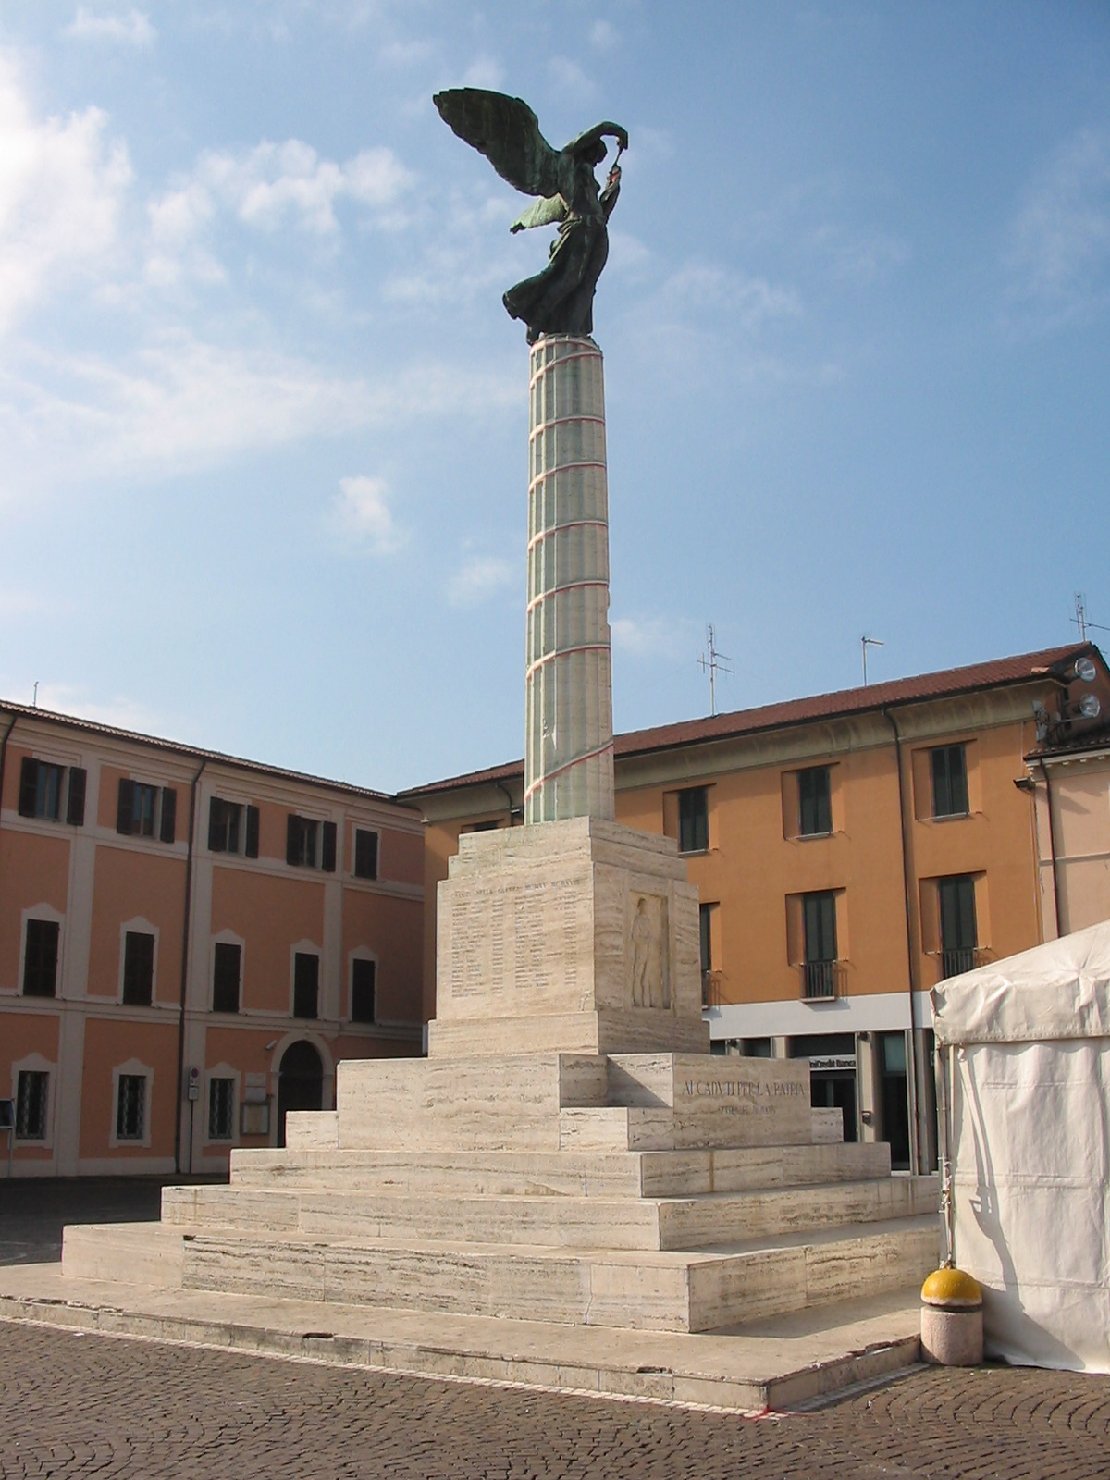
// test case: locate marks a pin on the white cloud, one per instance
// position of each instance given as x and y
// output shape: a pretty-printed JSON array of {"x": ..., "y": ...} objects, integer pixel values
[
  {"x": 121, "y": 711},
  {"x": 1059, "y": 241},
  {"x": 656, "y": 637},
  {"x": 181, "y": 404},
  {"x": 571, "y": 80},
  {"x": 485, "y": 72},
  {"x": 753, "y": 299},
  {"x": 603, "y": 35},
  {"x": 133, "y": 29},
  {"x": 361, "y": 513},
  {"x": 479, "y": 578},
  {"x": 63, "y": 186},
  {"x": 272, "y": 182}
]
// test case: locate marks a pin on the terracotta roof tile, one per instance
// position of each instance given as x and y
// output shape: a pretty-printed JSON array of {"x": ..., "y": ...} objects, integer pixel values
[{"x": 1025, "y": 667}]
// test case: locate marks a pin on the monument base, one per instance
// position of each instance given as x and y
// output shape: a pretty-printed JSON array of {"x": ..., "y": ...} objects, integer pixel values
[{"x": 579, "y": 935}]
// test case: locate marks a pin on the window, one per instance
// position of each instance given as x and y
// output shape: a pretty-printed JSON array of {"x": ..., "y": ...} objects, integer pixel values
[
  {"x": 949, "y": 772},
  {"x": 693, "y": 820},
  {"x": 364, "y": 976},
  {"x": 232, "y": 828},
  {"x": 705, "y": 952},
  {"x": 819, "y": 935},
  {"x": 306, "y": 983},
  {"x": 145, "y": 811},
  {"x": 55, "y": 793},
  {"x": 138, "y": 968},
  {"x": 221, "y": 1109},
  {"x": 310, "y": 844},
  {"x": 366, "y": 854},
  {"x": 814, "y": 801},
  {"x": 40, "y": 958},
  {"x": 958, "y": 930},
  {"x": 31, "y": 1101},
  {"x": 227, "y": 971},
  {"x": 130, "y": 1107}
]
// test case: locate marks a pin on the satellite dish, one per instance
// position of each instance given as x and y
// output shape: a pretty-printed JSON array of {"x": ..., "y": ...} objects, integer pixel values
[
  {"x": 1085, "y": 670},
  {"x": 1089, "y": 706}
]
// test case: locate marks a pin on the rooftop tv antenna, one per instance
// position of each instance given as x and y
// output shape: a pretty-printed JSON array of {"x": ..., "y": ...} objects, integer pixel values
[
  {"x": 865, "y": 642},
  {"x": 711, "y": 663},
  {"x": 1082, "y": 620}
]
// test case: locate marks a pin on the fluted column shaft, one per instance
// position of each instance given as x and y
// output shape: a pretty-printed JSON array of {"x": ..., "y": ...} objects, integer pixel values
[{"x": 568, "y": 741}]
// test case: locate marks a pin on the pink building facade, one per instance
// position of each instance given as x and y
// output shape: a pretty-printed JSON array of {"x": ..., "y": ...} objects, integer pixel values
[{"x": 189, "y": 943}]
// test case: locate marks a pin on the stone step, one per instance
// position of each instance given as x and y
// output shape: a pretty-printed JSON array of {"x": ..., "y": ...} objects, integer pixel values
[
  {"x": 663, "y": 1291},
  {"x": 551, "y": 1222},
  {"x": 561, "y": 1174},
  {"x": 778, "y": 1362},
  {"x": 147, "y": 1254},
  {"x": 305, "y": 1129}
]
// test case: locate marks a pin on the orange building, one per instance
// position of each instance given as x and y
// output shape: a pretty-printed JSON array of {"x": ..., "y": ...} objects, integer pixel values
[
  {"x": 849, "y": 850},
  {"x": 188, "y": 945}
]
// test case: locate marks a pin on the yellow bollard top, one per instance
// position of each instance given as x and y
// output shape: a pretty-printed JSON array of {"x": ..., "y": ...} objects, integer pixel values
[{"x": 952, "y": 1287}]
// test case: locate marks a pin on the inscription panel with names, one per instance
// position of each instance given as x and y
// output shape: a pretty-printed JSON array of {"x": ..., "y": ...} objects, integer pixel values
[{"x": 509, "y": 937}]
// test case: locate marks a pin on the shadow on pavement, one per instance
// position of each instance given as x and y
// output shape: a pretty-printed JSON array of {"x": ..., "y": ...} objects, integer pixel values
[{"x": 33, "y": 1213}]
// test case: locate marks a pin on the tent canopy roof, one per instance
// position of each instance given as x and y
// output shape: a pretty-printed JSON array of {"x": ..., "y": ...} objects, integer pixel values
[{"x": 1057, "y": 990}]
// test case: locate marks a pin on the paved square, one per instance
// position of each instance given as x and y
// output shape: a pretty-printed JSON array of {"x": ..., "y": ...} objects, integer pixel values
[{"x": 77, "y": 1405}]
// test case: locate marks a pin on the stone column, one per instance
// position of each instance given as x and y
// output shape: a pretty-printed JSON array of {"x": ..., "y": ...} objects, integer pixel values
[{"x": 568, "y": 729}]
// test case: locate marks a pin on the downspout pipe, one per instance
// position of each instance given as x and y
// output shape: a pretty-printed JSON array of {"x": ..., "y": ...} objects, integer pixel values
[
  {"x": 912, "y": 983},
  {"x": 4, "y": 752},
  {"x": 184, "y": 983}
]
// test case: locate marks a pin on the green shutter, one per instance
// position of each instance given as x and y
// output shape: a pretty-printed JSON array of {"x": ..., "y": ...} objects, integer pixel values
[{"x": 75, "y": 811}]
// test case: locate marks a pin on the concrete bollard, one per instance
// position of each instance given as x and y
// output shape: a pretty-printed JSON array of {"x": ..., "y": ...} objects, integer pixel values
[{"x": 952, "y": 1319}]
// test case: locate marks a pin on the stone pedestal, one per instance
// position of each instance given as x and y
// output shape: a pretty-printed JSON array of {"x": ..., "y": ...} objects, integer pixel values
[{"x": 579, "y": 935}]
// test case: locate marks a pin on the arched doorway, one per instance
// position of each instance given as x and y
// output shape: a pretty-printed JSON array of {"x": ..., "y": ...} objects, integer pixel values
[{"x": 300, "y": 1082}]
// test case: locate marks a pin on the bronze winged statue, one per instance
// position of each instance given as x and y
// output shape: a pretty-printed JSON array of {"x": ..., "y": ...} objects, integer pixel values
[{"x": 560, "y": 299}]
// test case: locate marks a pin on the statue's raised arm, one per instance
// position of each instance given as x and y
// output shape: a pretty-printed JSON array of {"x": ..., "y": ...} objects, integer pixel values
[{"x": 559, "y": 300}]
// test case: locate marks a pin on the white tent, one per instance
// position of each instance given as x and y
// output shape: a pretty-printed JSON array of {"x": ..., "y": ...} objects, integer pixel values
[{"x": 1025, "y": 1059}]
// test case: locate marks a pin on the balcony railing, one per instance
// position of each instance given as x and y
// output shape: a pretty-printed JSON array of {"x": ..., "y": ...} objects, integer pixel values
[
  {"x": 711, "y": 988},
  {"x": 822, "y": 979},
  {"x": 957, "y": 959}
]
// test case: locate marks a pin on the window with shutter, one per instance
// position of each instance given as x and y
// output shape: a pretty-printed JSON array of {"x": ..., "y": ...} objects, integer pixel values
[
  {"x": 366, "y": 854},
  {"x": 364, "y": 976},
  {"x": 40, "y": 958}
]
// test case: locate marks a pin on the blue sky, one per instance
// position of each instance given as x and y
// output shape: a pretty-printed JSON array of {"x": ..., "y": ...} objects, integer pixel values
[{"x": 263, "y": 419}]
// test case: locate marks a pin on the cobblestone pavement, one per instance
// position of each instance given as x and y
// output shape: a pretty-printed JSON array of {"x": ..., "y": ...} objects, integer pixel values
[{"x": 78, "y": 1405}]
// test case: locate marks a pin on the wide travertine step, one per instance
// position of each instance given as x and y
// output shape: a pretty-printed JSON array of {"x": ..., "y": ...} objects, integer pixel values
[
  {"x": 686, "y": 1290},
  {"x": 559, "y": 1222},
  {"x": 559, "y": 1174}
]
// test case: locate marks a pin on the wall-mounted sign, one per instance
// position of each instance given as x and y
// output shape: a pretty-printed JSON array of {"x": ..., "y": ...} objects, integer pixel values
[{"x": 832, "y": 1061}]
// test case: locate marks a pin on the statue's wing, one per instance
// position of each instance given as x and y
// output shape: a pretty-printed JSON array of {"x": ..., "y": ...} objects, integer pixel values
[
  {"x": 507, "y": 132},
  {"x": 541, "y": 213}
]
